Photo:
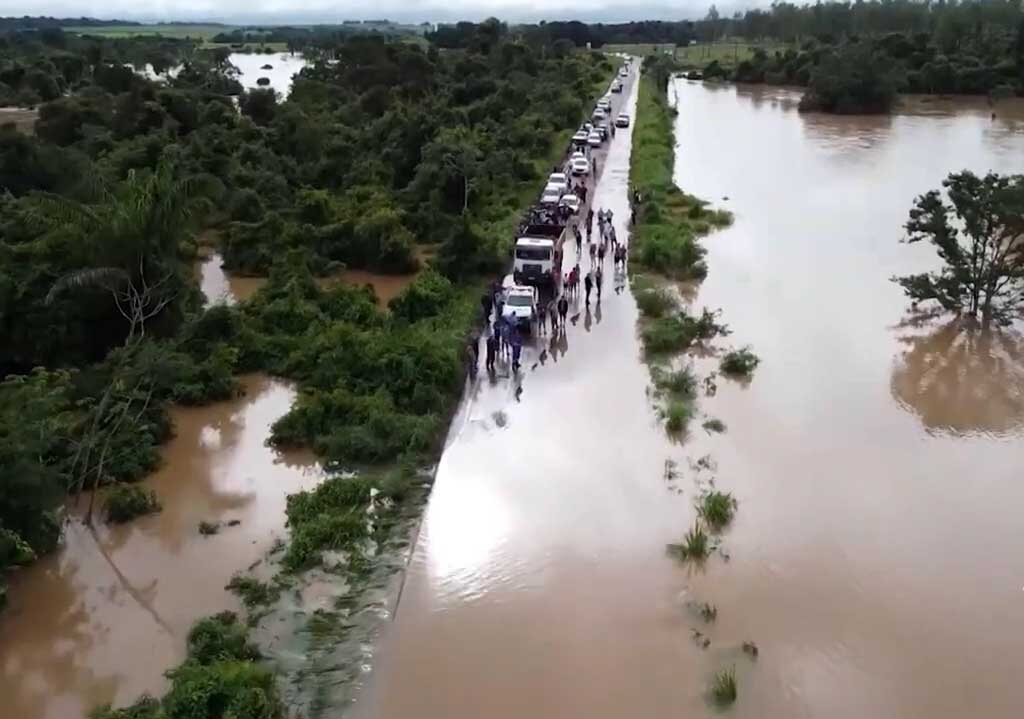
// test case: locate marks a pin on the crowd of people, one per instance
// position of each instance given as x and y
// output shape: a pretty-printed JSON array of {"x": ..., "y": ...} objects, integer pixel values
[{"x": 502, "y": 337}]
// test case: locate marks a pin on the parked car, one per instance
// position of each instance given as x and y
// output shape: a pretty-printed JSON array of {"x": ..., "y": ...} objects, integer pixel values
[
  {"x": 605, "y": 104},
  {"x": 580, "y": 138},
  {"x": 520, "y": 305},
  {"x": 623, "y": 72},
  {"x": 602, "y": 130},
  {"x": 594, "y": 139},
  {"x": 550, "y": 197},
  {"x": 580, "y": 166},
  {"x": 557, "y": 181},
  {"x": 622, "y": 120},
  {"x": 617, "y": 86},
  {"x": 572, "y": 202},
  {"x": 598, "y": 115}
]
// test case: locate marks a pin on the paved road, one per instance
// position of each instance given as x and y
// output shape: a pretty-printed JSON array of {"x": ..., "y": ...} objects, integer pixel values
[{"x": 540, "y": 574}]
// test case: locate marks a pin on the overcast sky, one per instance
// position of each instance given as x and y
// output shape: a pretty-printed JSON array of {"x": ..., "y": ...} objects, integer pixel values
[{"x": 308, "y": 11}]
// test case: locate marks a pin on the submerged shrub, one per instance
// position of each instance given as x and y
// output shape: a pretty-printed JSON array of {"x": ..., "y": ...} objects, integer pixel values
[
  {"x": 739, "y": 363},
  {"x": 128, "y": 501},
  {"x": 696, "y": 545},
  {"x": 654, "y": 303},
  {"x": 252, "y": 591},
  {"x": 714, "y": 425},
  {"x": 723, "y": 687},
  {"x": 717, "y": 509},
  {"x": 218, "y": 638},
  {"x": 677, "y": 416}
]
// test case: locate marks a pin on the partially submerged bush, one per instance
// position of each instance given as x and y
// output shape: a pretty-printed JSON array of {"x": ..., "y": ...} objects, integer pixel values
[
  {"x": 125, "y": 502},
  {"x": 681, "y": 382},
  {"x": 696, "y": 545},
  {"x": 723, "y": 687},
  {"x": 252, "y": 591},
  {"x": 714, "y": 425},
  {"x": 332, "y": 516},
  {"x": 677, "y": 416},
  {"x": 220, "y": 637},
  {"x": 717, "y": 509},
  {"x": 739, "y": 363},
  {"x": 654, "y": 302},
  {"x": 208, "y": 528}
]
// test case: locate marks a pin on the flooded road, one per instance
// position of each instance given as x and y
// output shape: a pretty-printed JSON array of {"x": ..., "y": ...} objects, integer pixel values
[{"x": 876, "y": 557}]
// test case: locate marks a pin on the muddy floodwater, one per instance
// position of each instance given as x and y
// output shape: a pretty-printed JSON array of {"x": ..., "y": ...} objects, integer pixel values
[
  {"x": 219, "y": 286},
  {"x": 877, "y": 556},
  {"x": 103, "y": 618}
]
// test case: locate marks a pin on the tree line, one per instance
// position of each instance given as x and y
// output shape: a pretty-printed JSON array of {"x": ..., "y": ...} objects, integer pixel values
[{"x": 381, "y": 148}]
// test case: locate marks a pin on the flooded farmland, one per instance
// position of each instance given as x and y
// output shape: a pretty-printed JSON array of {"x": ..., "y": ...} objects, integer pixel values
[{"x": 875, "y": 558}]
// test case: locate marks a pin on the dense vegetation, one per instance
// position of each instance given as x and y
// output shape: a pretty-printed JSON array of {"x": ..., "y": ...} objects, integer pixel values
[
  {"x": 381, "y": 147},
  {"x": 220, "y": 678}
]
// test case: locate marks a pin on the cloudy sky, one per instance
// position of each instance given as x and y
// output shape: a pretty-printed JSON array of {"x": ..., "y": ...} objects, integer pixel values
[{"x": 307, "y": 11}]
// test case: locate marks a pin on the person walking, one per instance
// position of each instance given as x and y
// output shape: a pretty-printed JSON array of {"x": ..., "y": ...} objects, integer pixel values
[
  {"x": 594, "y": 163},
  {"x": 588, "y": 284},
  {"x": 492, "y": 351},
  {"x": 517, "y": 348},
  {"x": 471, "y": 359},
  {"x": 601, "y": 253},
  {"x": 563, "y": 310},
  {"x": 598, "y": 281},
  {"x": 593, "y": 251},
  {"x": 590, "y": 218},
  {"x": 542, "y": 318}
]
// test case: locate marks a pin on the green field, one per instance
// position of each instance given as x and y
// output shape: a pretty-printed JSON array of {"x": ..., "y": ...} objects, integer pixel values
[
  {"x": 196, "y": 32},
  {"x": 727, "y": 53}
]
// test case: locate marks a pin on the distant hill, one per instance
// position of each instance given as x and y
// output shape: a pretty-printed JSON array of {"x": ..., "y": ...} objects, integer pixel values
[{"x": 8, "y": 24}]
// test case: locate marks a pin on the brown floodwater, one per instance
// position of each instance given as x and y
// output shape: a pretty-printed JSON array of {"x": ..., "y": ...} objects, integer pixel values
[
  {"x": 102, "y": 619},
  {"x": 219, "y": 286},
  {"x": 877, "y": 557}
]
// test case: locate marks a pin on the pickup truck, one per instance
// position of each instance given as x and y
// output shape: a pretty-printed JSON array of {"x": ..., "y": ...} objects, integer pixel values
[{"x": 520, "y": 306}]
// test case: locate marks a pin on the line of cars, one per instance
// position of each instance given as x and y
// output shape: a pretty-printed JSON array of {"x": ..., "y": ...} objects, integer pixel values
[{"x": 538, "y": 247}]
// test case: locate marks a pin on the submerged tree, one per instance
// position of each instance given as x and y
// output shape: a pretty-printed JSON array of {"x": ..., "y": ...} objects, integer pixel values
[{"x": 979, "y": 234}]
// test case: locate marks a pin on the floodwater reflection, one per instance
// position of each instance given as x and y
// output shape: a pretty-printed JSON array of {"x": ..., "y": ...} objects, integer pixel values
[{"x": 962, "y": 379}]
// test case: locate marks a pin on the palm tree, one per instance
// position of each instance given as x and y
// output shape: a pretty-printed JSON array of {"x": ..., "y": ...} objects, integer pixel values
[{"x": 131, "y": 238}]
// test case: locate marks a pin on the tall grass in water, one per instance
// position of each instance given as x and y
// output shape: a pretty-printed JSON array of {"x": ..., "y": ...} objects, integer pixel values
[
  {"x": 717, "y": 509},
  {"x": 696, "y": 545},
  {"x": 723, "y": 687}
]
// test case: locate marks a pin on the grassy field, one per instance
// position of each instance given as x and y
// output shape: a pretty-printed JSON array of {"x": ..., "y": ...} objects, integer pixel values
[
  {"x": 196, "y": 32},
  {"x": 727, "y": 53}
]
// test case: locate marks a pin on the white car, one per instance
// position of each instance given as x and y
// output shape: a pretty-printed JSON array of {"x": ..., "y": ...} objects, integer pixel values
[
  {"x": 622, "y": 120},
  {"x": 623, "y": 72},
  {"x": 594, "y": 139},
  {"x": 520, "y": 305},
  {"x": 550, "y": 198},
  {"x": 580, "y": 138},
  {"x": 605, "y": 104},
  {"x": 580, "y": 166},
  {"x": 617, "y": 86},
  {"x": 599, "y": 114},
  {"x": 558, "y": 186},
  {"x": 572, "y": 202}
]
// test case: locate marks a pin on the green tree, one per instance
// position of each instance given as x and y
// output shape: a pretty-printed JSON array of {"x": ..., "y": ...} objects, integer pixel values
[{"x": 979, "y": 235}]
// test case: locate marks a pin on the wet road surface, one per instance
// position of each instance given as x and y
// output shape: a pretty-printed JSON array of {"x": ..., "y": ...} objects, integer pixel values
[{"x": 540, "y": 574}]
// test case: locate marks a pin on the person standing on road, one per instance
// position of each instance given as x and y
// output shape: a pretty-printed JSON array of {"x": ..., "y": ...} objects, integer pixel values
[
  {"x": 598, "y": 281},
  {"x": 472, "y": 357},
  {"x": 542, "y": 318},
  {"x": 590, "y": 219},
  {"x": 551, "y": 310},
  {"x": 594, "y": 163},
  {"x": 593, "y": 250},
  {"x": 601, "y": 253},
  {"x": 485, "y": 305},
  {"x": 563, "y": 310},
  {"x": 588, "y": 284}
]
